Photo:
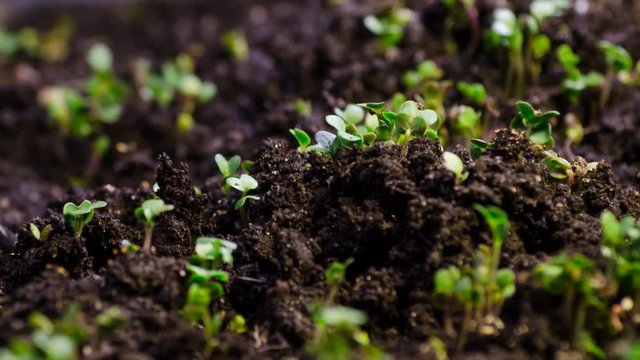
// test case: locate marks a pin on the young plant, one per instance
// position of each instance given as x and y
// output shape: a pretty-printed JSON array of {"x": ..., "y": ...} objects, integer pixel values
[
  {"x": 227, "y": 168},
  {"x": 478, "y": 147},
  {"x": 474, "y": 92},
  {"x": 389, "y": 28},
  {"x": 302, "y": 107},
  {"x": 427, "y": 70},
  {"x": 334, "y": 276},
  {"x": 558, "y": 167},
  {"x": 40, "y": 235},
  {"x": 244, "y": 184},
  {"x": 206, "y": 285},
  {"x": 467, "y": 122},
  {"x": 454, "y": 164},
  {"x": 146, "y": 213},
  {"x": 77, "y": 216},
  {"x": 461, "y": 12},
  {"x": 619, "y": 63},
  {"x": 235, "y": 43},
  {"x": 536, "y": 124},
  {"x": 575, "y": 81},
  {"x": 303, "y": 139},
  {"x": 574, "y": 278}
]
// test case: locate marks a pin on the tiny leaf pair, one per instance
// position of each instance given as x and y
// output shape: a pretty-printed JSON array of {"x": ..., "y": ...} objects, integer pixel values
[{"x": 77, "y": 216}]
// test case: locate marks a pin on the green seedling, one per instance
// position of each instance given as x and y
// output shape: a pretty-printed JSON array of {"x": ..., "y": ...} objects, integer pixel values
[
  {"x": 238, "y": 324},
  {"x": 389, "y": 28},
  {"x": 536, "y": 124},
  {"x": 574, "y": 278},
  {"x": 454, "y": 164},
  {"x": 619, "y": 63},
  {"x": 474, "y": 92},
  {"x": 303, "y": 139},
  {"x": 426, "y": 70},
  {"x": 40, "y": 235},
  {"x": 334, "y": 276},
  {"x": 302, "y": 107},
  {"x": 558, "y": 167},
  {"x": 49, "y": 340},
  {"x": 575, "y": 81},
  {"x": 244, "y": 184},
  {"x": 227, "y": 168},
  {"x": 478, "y": 147},
  {"x": 205, "y": 285},
  {"x": 77, "y": 216},
  {"x": 106, "y": 93},
  {"x": 467, "y": 122},
  {"x": 147, "y": 213},
  {"x": 235, "y": 43},
  {"x": 50, "y": 46},
  {"x": 339, "y": 335}
]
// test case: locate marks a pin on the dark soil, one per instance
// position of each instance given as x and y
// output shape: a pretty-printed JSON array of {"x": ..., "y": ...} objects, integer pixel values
[{"x": 396, "y": 210}]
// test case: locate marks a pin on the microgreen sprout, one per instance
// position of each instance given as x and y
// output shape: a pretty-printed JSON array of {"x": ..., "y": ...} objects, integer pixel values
[
  {"x": 77, "y": 216},
  {"x": 454, "y": 164},
  {"x": 426, "y": 70},
  {"x": 40, "y": 235},
  {"x": 575, "y": 81},
  {"x": 235, "y": 43},
  {"x": 302, "y": 107},
  {"x": 227, "y": 167},
  {"x": 205, "y": 285},
  {"x": 303, "y": 139},
  {"x": 478, "y": 147},
  {"x": 467, "y": 121},
  {"x": 334, "y": 277},
  {"x": 535, "y": 124},
  {"x": 146, "y": 213},
  {"x": 389, "y": 28},
  {"x": 244, "y": 184},
  {"x": 474, "y": 92},
  {"x": 558, "y": 167},
  {"x": 619, "y": 62}
]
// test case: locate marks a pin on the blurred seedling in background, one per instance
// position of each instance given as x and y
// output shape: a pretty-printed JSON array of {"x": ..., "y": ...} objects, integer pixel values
[
  {"x": 619, "y": 64},
  {"x": 426, "y": 80},
  {"x": 178, "y": 83},
  {"x": 302, "y": 107},
  {"x": 467, "y": 122},
  {"x": 235, "y": 44},
  {"x": 83, "y": 116},
  {"x": 461, "y": 12},
  {"x": 77, "y": 216},
  {"x": 389, "y": 28},
  {"x": 473, "y": 92},
  {"x": 575, "y": 81},
  {"x": 205, "y": 286},
  {"x": 480, "y": 290},
  {"x": 147, "y": 213},
  {"x": 50, "y": 46}
]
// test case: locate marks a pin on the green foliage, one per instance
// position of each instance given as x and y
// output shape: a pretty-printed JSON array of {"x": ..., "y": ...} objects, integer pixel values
[
  {"x": 338, "y": 335},
  {"x": 77, "y": 216},
  {"x": 426, "y": 70},
  {"x": 238, "y": 324},
  {"x": 146, "y": 213},
  {"x": 474, "y": 92},
  {"x": 389, "y": 28},
  {"x": 151, "y": 208},
  {"x": 227, "y": 167},
  {"x": 303, "y": 139},
  {"x": 478, "y": 147},
  {"x": 618, "y": 58},
  {"x": 205, "y": 285},
  {"x": 49, "y": 46},
  {"x": 621, "y": 246},
  {"x": 536, "y": 124},
  {"x": 454, "y": 164},
  {"x": 50, "y": 340},
  {"x": 40, "y": 235},
  {"x": 575, "y": 81},
  {"x": 302, "y": 107},
  {"x": 558, "y": 167},
  {"x": 244, "y": 184},
  {"x": 467, "y": 122},
  {"x": 106, "y": 93},
  {"x": 235, "y": 43}
]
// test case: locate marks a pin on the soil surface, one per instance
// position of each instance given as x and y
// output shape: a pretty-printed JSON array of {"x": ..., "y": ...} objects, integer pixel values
[{"x": 396, "y": 210}]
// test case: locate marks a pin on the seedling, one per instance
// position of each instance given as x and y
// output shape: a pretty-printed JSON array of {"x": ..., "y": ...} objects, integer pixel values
[
  {"x": 227, "y": 168},
  {"x": 478, "y": 147},
  {"x": 303, "y": 139},
  {"x": 426, "y": 70},
  {"x": 50, "y": 46},
  {"x": 206, "y": 285},
  {"x": 535, "y": 124},
  {"x": 238, "y": 324},
  {"x": 334, "y": 276},
  {"x": 389, "y": 28},
  {"x": 302, "y": 107},
  {"x": 574, "y": 278},
  {"x": 244, "y": 184},
  {"x": 474, "y": 92},
  {"x": 40, "y": 235},
  {"x": 467, "y": 122},
  {"x": 575, "y": 82},
  {"x": 465, "y": 12},
  {"x": 235, "y": 43},
  {"x": 77, "y": 216},
  {"x": 619, "y": 62},
  {"x": 146, "y": 213},
  {"x": 454, "y": 164},
  {"x": 558, "y": 167}
]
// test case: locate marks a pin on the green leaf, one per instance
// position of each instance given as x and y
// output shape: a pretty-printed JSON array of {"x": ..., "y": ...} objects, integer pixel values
[
  {"x": 375, "y": 107},
  {"x": 478, "y": 147},
  {"x": 150, "y": 209},
  {"x": 100, "y": 58},
  {"x": 336, "y": 122},
  {"x": 304, "y": 140},
  {"x": 335, "y": 273},
  {"x": 342, "y": 316},
  {"x": 243, "y": 184},
  {"x": 497, "y": 220},
  {"x": 526, "y": 110}
]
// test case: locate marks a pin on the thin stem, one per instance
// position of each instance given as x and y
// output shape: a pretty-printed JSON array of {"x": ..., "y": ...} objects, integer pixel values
[{"x": 148, "y": 233}]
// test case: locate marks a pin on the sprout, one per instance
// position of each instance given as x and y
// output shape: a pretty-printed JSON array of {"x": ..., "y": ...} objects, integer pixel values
[
  {"x": 558, "y": 167},
  {"x": 426, "y": 70},
  {"x": 238, "y": 324},
  {"x": 146, "y": 213},
  {"x": 619, "y": 62},
  {"x": 244, "y": 184},
  {"x": 535, "y": 124},
  {"x": 303, "y": 139},
  {"x": 303, "y": 107},
  {"x": 334, "y": 276},
  {"x": 478, "y": 147},
  {"x": 235, "y": 43},
  {"x": 40, "y": 235},
  {"x": 77, "y": 216},
  {"x": 474, "y": 92},
  {"x": 100, "y": 58},
  {"x": 454, "y": 164},
  {"x": 467, "y": 121},
  {"x": 389, "y": 29},
  {"x": 575, "y": 81},
  {"x": 227, "y": 167}
]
